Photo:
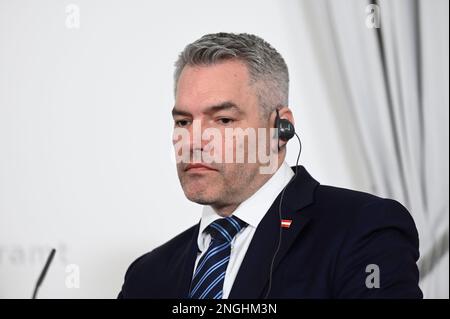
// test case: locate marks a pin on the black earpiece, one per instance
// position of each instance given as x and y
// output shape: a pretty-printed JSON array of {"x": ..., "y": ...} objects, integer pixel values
[{"x": 284, "y": 127}]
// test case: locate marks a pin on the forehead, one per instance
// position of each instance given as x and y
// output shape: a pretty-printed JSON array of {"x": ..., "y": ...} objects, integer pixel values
[{"x": 202, "y": 86}]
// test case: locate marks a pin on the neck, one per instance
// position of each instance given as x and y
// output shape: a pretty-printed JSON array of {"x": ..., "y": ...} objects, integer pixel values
[{"x": 226, "y": 209}]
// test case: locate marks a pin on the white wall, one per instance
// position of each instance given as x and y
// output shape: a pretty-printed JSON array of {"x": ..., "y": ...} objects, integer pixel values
[{"x": 85, "y": 128}]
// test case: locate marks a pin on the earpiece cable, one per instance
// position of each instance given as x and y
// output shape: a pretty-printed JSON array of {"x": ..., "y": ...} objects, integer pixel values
[{"x": 280, "y": 217}]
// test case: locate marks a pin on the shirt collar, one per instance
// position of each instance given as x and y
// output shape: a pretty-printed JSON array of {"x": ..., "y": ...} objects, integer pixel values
[{"x": 253, "y": 209}]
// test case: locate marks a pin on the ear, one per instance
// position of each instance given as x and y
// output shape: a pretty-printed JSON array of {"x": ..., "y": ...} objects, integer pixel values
[{"x": 286, "y": 113}]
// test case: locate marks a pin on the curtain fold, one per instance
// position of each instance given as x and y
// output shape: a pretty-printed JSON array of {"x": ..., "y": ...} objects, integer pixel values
[{"x": 393, "y": 87}]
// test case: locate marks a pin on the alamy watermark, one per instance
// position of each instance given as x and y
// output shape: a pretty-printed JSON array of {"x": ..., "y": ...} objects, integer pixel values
[
  {"x": 373, "y": 18},
  {"x": 72, "y": 16},
  {"x": 230, "y": 145},
  {"x": 373, "y": 279}
]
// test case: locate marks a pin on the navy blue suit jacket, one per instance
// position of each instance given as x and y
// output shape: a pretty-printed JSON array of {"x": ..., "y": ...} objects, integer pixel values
[{"x": 334, "y": 236}]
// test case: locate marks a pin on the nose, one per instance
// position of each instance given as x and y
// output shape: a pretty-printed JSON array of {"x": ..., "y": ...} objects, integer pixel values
[
  {"x": 189, "y": 140},
  {"x": 196, "y": 143}
]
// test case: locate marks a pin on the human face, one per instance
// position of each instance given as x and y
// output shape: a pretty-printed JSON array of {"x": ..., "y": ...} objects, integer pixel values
[{"x": 218, "y": 96}]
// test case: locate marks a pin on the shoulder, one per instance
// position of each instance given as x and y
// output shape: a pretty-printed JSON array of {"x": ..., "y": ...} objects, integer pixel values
[
  {"x": 161, "y": 256},
  {"x": 369, "y": 231},
  {"x": 147, "y": 274},
  {"x": 352, "y": 202},
  {"x": 355, "y": 210}
]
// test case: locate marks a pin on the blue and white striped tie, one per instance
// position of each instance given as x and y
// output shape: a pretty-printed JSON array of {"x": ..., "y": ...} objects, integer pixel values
[{"x": 208, "y": 278}]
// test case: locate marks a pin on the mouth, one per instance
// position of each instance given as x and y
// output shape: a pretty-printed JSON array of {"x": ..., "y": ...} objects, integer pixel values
[{"x": 198, "y": 168}]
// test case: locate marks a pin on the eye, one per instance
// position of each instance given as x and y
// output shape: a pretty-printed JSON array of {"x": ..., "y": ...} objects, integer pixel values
[
  {"x": 181, "y": 123},
  {"x": 225, "y": 120}
]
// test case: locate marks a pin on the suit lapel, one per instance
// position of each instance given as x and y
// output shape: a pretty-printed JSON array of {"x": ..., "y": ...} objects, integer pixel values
[{"x": 254, "y": 272}]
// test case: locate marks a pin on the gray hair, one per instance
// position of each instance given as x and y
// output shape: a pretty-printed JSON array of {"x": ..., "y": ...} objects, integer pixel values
[{"x": 268, "y": 72}]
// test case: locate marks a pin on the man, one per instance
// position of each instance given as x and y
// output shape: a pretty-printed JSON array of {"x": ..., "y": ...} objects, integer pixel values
[{"x": 274, "y": 235}]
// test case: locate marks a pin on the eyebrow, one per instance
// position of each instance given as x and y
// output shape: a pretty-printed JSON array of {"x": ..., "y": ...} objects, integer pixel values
[{"x": 227, "y": 105}]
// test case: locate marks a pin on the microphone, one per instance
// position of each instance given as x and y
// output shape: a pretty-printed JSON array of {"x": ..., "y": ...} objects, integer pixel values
[{"x": 44, "y": 272}]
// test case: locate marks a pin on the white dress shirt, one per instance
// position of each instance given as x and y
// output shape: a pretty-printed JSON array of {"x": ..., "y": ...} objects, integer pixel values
[{"x": 250, "y": 211}]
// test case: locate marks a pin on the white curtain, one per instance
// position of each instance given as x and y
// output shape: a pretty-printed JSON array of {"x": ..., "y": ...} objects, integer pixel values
[{"x": 389, "y": 89}]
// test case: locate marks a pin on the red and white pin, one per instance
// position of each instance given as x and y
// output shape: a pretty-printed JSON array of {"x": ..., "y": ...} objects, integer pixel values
[{"x": 286, "y": 223}]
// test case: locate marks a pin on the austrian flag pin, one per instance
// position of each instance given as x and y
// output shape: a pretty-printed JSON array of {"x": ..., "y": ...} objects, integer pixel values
[{"x": 286, "y": 223}]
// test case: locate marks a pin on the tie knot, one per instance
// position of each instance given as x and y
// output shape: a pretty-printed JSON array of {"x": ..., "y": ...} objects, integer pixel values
[{"x": 225, "y": 229}]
